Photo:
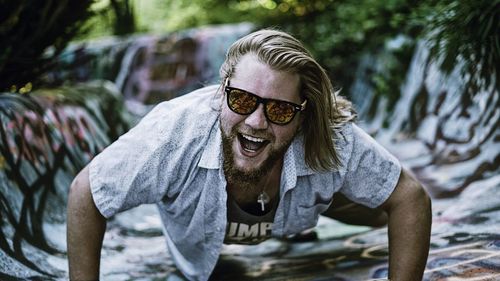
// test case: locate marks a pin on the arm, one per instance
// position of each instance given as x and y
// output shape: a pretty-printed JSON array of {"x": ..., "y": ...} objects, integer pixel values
[
  {"x": 410, "y": 218},
  {"x": 85, "y": 230}
]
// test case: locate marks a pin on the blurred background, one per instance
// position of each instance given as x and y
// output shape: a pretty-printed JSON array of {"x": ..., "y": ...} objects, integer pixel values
[{"x": 423, "y": 75}]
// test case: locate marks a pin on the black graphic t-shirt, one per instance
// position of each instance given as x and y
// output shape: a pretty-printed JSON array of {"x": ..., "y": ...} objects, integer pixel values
[{"x": 245, "y": 228}]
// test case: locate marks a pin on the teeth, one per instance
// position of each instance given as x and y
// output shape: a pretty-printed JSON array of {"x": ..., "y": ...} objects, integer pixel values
[{"x": 250, "y": 138}]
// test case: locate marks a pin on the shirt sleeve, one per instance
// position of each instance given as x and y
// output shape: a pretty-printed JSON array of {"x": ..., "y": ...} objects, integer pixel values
[
  {"x": 371, "y": 172},
  {"x": 125, "y": 174}
]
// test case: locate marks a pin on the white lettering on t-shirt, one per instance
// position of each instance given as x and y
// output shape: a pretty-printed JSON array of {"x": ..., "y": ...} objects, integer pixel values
[{"x": 248, "y": 234}]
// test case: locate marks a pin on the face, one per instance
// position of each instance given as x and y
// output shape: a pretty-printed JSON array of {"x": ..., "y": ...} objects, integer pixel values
[{"x": 252, "y": 145}]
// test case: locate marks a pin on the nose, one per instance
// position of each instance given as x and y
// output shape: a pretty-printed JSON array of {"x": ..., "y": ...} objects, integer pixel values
[{"x": 257, "y": 119}]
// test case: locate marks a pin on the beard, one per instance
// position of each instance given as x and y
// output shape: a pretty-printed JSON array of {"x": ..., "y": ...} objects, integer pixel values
[{"x": 248, "y": 178}]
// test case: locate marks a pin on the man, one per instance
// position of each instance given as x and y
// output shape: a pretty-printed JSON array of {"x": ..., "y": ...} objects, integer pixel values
[{"x": 261, "y": 155}]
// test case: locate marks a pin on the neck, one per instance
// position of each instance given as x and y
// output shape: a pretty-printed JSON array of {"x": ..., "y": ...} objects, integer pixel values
[{"x": 245, "y": 193}]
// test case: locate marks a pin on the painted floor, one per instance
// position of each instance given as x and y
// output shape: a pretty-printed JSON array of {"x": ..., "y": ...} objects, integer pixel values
[{"x": 465, "y": 245}]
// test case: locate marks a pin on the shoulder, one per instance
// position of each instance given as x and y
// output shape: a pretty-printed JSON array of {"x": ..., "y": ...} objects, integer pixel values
[
  {"x": 189, "y": 114},
  {"x": 343, "y": 140},
  {"x": 197, "y": 102},
  {"x": 352, "y": 142}
]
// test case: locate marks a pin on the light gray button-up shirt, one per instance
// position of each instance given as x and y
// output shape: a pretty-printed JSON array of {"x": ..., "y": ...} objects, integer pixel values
[{"x": 173, "y": 158}]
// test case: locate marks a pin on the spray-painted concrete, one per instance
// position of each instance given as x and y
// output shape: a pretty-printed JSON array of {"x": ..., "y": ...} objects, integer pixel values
[{"x": 48, "y": 136}]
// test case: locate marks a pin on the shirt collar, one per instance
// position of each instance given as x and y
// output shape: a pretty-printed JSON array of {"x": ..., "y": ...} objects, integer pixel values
[{"x": 297, "y": 155}]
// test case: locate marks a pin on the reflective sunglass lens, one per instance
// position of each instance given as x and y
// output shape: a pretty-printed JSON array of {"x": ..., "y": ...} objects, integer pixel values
[
  {"x": 242, "y": 102},
  {"x": 279, "y": 112}
]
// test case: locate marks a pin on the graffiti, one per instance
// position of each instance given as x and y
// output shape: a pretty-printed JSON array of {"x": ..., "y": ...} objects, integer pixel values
[
  {"x": 27, "y": 174},
  {"x": 467, "y": 261},
  {"x": 458, "y": 252},
  {"x": 48, "y": 136},
  {"x": 43, "y": 143},
  {"x": 151, "y": 68},
  {"x": 465, "y": 255}
]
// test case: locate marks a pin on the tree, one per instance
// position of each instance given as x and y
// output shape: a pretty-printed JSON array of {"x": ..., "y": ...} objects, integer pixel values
[
  {"x": 124, "y": 17},
  {"x": 32, "y": 34}
]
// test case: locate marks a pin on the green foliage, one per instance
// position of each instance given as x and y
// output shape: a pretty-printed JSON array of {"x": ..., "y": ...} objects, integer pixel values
[
  {"x": 116, "y": 17},
  {"x": 341, "y": 31},
  {"x": 469, "y": 32},
  {"x": 337, "y": 32},
  {"x": 28, "y": 29}
]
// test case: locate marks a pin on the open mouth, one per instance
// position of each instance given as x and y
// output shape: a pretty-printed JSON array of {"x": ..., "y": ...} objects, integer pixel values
[{"x": 252, "y": 144}]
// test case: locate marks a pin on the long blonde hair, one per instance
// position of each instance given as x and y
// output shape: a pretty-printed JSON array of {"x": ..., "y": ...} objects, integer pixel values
[{"x": 326, "y": 111}]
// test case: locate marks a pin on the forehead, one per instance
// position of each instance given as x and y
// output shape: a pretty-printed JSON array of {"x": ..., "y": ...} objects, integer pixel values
[{"x": 252, "y": 75}]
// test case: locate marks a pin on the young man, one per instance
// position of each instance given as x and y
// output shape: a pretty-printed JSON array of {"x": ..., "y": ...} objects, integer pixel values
[{"x": 263, "y": 154}]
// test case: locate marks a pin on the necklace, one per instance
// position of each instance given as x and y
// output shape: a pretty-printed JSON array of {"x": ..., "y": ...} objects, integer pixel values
[{"x": 263, "y": 199}]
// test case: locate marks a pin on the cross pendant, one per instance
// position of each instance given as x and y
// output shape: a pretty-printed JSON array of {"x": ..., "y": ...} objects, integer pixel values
[
  {"x": 263, "y": 199},
  {"x": 261, "y": 203}
]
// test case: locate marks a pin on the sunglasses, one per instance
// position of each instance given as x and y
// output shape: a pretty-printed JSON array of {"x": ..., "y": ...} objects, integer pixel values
[{"x": 276, "y": 111}]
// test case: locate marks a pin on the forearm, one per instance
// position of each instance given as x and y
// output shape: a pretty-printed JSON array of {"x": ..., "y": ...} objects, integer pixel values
[
  {"x": 85, "y": 231},
  {"x": 409, "y": 238}
]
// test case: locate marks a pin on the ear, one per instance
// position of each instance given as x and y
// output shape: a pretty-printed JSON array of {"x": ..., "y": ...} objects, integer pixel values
[{"x": 305, "y": 111}]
